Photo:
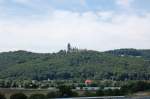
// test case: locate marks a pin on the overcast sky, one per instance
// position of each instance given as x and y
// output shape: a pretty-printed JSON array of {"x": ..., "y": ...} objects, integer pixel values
[{"x": 48, "y": 25}]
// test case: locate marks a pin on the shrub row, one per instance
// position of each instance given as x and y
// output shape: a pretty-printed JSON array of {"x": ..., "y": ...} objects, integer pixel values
[{"x": 66, "y": 91}]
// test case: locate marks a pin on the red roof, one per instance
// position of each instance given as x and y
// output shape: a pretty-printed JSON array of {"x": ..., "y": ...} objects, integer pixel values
[{"x": 88, "y": 81}]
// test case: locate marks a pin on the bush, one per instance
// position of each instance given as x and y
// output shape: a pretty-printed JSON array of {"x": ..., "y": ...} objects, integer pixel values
[
  {"x": 108, "y": 92},
  {"x": 37, "y": 96},
  {"x": 100, "y": 93},
  {"x": 2, "y": 96},
  {"x": 135, "y": 87},
  {"x": 18, "y": 96},
  {"x": 74, "y": 94},
  {"x": 65, "y": 91},
  {"x": 89, "y": 94},
  {"x": 117, "y": 92},
  {"x": 52, "y": 94}
]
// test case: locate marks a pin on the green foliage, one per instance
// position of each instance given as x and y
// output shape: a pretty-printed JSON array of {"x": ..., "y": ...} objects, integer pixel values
[
  {"x": 53, "y": 94},
  {"x": 37, "y": 96},
  {"x": 2, "y": 96},
  {"x": 109, "y": 92},
  {"x": 100, "y": 93},
  {"x": 66, "y": 91},
  {"x": 123, "y": 64},
  {"x": 18, "y": 96},
  {"x": 89, "y": 94},
  {"x": 130, "y": 52},
  {"x": 115, "y": 92},
  {"x": 135, "y": 87}
]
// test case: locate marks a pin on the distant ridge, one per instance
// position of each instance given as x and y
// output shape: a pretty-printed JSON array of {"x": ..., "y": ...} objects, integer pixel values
[{"x": 120, "y": 64}]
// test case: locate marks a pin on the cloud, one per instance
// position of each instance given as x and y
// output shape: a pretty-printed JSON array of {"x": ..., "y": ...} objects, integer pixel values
[
  {"x": 83, "y": 2},
  {"x": 16, "y": 1},
  {"x": 22, "y": 1},
  {"x": 124, "y": 3},
  {"x": 91, "y": 30}
]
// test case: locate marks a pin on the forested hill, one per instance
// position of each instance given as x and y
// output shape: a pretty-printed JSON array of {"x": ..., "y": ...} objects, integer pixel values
[
  {"x": 122, "y": 64},
  {"x": 130, "y": 52}
]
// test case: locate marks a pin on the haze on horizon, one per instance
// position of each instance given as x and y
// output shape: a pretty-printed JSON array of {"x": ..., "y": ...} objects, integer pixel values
[{"x": 48, "y": 25}]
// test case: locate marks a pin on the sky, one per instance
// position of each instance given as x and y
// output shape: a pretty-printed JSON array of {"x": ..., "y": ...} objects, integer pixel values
[{"x": 48, "y": 25}]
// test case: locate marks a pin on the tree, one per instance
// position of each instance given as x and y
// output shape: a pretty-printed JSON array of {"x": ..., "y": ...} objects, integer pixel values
[
  {"x": 37, "y": 96},
  {"x": 65, "y": 91},
  {"x": 100, "y": 93},
  {"x": 108, "y": 92},
  {"x": 52, "y": 94},
  {"x": 2, "y": 96},
  {"x": 89, "y": 94},
  {"x": 18, "y": 96}
]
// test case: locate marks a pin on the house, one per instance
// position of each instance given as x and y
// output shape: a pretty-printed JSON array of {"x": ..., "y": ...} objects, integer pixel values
[{"x": 88, "y": 82}]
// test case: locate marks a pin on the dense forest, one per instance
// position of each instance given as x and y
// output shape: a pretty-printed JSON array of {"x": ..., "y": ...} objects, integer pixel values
[{"x": 73, "y": 63}]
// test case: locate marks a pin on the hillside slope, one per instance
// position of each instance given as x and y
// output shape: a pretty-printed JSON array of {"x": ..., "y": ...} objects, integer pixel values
[{"x": 119, "y": 64}]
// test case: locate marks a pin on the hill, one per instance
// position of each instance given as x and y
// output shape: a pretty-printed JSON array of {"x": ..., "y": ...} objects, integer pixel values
[{"x": 121, "y": 64}]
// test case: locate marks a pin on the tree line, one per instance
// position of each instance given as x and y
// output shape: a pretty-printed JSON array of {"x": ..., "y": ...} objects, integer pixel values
[{"x": 66, "y": 91}]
